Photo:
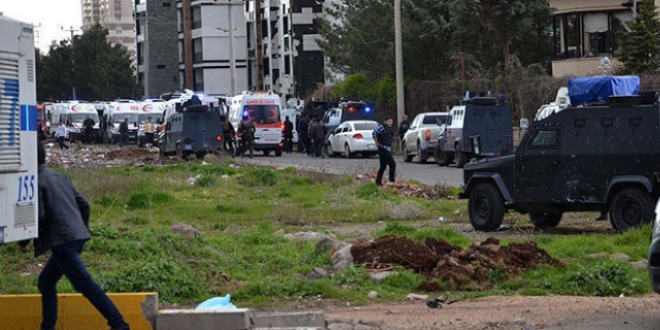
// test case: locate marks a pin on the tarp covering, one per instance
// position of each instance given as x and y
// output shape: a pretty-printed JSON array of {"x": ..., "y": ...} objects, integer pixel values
[{"x": 585, "y": 90}]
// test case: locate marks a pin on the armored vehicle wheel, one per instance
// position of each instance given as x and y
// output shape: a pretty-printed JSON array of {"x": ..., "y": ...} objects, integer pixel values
[
  {"x": 266, "y": 152},
  {"x": 631, "y": 207},
  {"x": 180, "y": 154},
  {"x": 200, "y": 155},
  {"x": 461, "y": 158},
  {"x": 422, "y": 156},
  {"x": 278, "y": 152},
  {"x": 328, "y": 150},
  {"x": 545, "y": 220},
  {"x": 406, "y": 158},
  {"x": 486, "y": 207},
  {"x": 441, "y": 158}
]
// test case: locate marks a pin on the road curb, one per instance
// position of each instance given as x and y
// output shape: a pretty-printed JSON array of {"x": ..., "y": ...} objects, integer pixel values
[{"x": 292, "y": 320}]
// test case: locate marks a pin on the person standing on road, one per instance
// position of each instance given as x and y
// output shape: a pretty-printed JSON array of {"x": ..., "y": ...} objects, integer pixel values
[
  {"x": 62, "y": 133},
  {"x": 63, "y": 229},
  {"x": 318, "y": 137},
  {"x": 288, "y": 135},
  {"x": 228, "y": 134},
  {"x": 246, "y": 131},
  {"x": 149, "y": 130},
  {"x": 88, "y": 127},
  {"x": 303, "y": 136},
  {"x": 310, "y": 135},
  {"x": 123, "y": 132},
  {"x": 403, "y": 129},
  {"x": 383, "y": 136}
]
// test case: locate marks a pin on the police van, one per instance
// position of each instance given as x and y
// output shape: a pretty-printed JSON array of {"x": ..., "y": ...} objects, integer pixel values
[
  {"x": 18, "y": 132},
  {"x": 263, "y": 109}
]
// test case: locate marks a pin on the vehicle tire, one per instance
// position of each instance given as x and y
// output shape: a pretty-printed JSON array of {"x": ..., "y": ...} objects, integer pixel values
[
  {"x": 200, "y": 155},
  {"x": 347, "y": 151},
  {"x": 329, "y": 151},
  {"x": 631, "y": 207},
  {"x": 461, "y": 158},
  {"x": 278, "y": 152},
  {"x": 180, "y": 154},
  {"x": 486, "y": 207},
  {"x": 441, "y": 158},
  {"x": 421, "y": 156},
  {"x": 406, "y": 158},
  {"x": 266, "y": 152},
  {"x": 161, "y": 154},
  {"x": 545, "y": 220}
]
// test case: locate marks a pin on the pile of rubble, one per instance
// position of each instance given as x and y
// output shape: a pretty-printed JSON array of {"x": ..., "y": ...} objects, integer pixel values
[
  {"x": 459, "y": 268},
  {"x": 436, "y": 192},
  {"x": 101, "y": 155}
]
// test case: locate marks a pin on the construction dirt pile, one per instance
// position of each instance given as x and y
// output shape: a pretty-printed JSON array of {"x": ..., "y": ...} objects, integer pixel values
[
  {"x": 436, "y": 192},
  {"x": 99, "y": 155},
  {"x": 460, "y": 269}
]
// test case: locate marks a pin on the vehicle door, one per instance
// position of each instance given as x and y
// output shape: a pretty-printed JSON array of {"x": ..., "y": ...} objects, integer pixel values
[
  {"x": 538, "y": 164},
  {"x": 411, "y": 136},
  {"x": 334, "y": 139}
]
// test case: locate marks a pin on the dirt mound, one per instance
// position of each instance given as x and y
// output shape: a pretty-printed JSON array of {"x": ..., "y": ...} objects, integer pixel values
[
  {"x": 132, "y": 154},
  {"x": 459, "y": 268},
  {"x": 436, "y": 192}
]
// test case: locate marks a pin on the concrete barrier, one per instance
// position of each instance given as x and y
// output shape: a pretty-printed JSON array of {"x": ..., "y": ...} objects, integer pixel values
[
  {"x": 188, "y": 319},
  {"x": 314, "y": 319},
  {"x": 22, "y": 312}
]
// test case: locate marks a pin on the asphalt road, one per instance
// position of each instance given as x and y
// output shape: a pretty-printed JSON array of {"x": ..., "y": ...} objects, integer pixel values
[{"x": 429, "y": 173}]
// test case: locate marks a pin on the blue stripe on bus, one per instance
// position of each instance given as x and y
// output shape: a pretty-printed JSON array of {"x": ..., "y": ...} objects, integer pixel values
[
  {"x": 28, "y": 118},
  {"x": 11, "y": 89}
]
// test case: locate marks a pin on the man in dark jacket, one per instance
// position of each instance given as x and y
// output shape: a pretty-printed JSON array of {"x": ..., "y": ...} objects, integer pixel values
[
  {"x": 88, "y": 127},
  {"x": 317, "y": 134},
  {"x": 246, "y": 131},
  {"x": 303, "y": 136},
  {"x": 383, "y": 136},
  {"x": 123, "y": 132},
  {"x": 63, "y": 218},
  {"x": 288, "y": 135}
]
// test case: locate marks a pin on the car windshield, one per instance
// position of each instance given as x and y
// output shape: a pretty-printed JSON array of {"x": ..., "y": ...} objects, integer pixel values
[
  {"x": 262, "y": 114},
  {"x": 119, "y": 117},
  {"x": 80, "y": 117},
  {"x": 365, "y": 126},
  {"x": 433, "y": 120}
]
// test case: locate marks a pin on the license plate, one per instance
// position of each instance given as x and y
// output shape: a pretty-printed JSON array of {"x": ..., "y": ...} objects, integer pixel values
[
  {"x": 272, "y": 140},
  {"x": 187, "y": 147},
  {"x": 371, "y": 146}
]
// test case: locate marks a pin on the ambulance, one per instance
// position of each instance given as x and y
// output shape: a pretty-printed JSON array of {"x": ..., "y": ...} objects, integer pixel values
[
  {"x": 118, "y": 111},
  {"x": 18, "y": 133},
  {"x": 263, "y": 109},
  {"x": 154, "y": 108},
  {"x": 76, "y": 115}
]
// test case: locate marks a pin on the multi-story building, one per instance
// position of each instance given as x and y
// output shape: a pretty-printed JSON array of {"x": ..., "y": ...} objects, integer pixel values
[
  {"x": 211, "y": 36},
  {"x": 586, "y": 31},
  {"x": 293, "y": 62},
  {"x": 157, "y": 46},
  {"x": 116, "y": 16}
]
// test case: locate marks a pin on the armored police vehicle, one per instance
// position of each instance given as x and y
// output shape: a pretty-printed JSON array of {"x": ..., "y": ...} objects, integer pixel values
[
  {"x": 600, "y": 154},
  {"x": 480, "y": 128},
  {"x": 192, "y": 130}
]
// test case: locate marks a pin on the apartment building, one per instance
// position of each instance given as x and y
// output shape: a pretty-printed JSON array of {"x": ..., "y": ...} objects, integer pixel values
[
  {"x": 116, "y": 16},
  {"x": 157, "y": 46},
  {"x": 212, "y": 35},
  {"x": 293, "y": 63},
  {"x": 584, "y": 31}
]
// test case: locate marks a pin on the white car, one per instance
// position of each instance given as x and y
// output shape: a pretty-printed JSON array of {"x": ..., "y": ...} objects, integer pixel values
[{"x": 352, "y": 137}]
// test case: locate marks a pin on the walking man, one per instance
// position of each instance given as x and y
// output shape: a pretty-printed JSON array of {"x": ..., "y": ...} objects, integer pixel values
[
  {"x": 63, "y": 219},
  {"x": 149, "y": 129},
  {"x": 62, "y": 133},
  {"x": 288, "y": 135},
  {"x": 303, "y": 136},
  {"x": 228, "y": 135},
  {"x": 318, "y": 137},
  {"x": 123, "y": 132},
  {"x": 88, "y": 127},
  {"x": 383, "y": 136},
  {"x": 246, "y": 131}
]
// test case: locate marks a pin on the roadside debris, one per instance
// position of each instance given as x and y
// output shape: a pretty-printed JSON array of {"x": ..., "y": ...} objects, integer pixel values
[
  {"x": 460, "y": 269},
  {"x": 101, "y": 155},
  {"x": 436, "y": 192}
]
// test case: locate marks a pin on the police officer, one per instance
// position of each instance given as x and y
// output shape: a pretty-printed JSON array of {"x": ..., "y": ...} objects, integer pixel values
[
  {"x": 383, "y": 136},
  {"x": 246, "y": 131}
]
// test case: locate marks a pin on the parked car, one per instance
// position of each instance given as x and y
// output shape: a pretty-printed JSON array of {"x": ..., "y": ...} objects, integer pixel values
[
  {"x": 352, "y": 137},
  {"x": 581, "y": 159},
  {"x": 422, "y": 137},
  {"x": 479, "y": 129}
]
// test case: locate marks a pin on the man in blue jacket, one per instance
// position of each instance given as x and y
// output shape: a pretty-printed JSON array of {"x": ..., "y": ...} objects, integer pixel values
[{"x": 63, "y": 219}]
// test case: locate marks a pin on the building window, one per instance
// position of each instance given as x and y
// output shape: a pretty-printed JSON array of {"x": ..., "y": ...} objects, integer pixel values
[
  {"x": 160, "y": 66},
  {"x": 198, "y": 80},
  {"x": 198, "y": 51},
  {"x": 196, "y": 13},
  {"x": 167, "y": 4},
  {"x": 287, "y": 64}
]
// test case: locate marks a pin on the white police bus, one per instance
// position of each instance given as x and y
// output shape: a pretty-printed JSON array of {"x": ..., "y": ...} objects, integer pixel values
[{"x": 18, "y": 132}]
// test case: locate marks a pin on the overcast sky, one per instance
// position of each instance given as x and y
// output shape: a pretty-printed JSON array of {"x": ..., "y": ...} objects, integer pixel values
[{"x": 52, "y": 15}]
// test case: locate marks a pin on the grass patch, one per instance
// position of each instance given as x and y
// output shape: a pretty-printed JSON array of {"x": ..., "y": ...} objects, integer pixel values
[
  {"x": 259, "y": 178},
  {"x": 370, "y": 191}
]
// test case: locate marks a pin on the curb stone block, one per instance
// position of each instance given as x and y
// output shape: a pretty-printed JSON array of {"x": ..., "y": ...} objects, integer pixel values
[
  {"x": 314, "y": 319},
  {"x": 188, "y": 319}
]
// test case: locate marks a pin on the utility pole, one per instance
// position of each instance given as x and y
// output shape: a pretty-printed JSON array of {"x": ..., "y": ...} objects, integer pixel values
[
  {"x": 232, "y": 56},
  {"x": 258, "y": 50},
  {"x": 73, "y": 63},
  {"x": 398, "y": 45}
]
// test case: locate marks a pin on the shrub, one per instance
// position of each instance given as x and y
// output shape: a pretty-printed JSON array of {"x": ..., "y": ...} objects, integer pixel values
[
  {"x": 370, "y": 191},
  {"x": 205, "y": 181},
  {"x": 139, "y": 200}
]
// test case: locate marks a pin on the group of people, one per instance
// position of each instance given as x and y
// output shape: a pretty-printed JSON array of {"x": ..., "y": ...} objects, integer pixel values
[
  {"x": 244, "y": 133},
  {"x": 311, "y": 135}
]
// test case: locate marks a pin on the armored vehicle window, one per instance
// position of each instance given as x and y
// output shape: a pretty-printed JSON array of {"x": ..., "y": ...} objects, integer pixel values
[{"x": 545, "y": 139}]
